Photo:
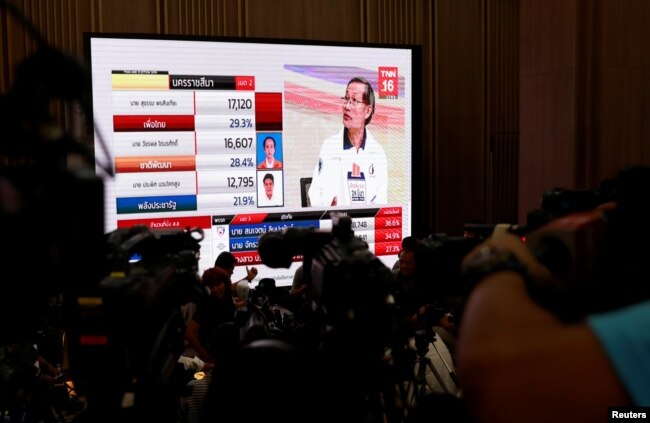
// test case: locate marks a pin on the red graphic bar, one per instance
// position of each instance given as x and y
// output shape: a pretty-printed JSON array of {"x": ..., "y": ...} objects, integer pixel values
[
  {"x": 388, "y": 222},
  {"x": 389, "y": 211},
  {"x": 245, "y": 83},
  {"x": 247, "y": 258},
  {"x": 388, "y": 235},
  {"x": 268, "y": 111},
  {"x": 387, "y": 248},
  {"x": 93, "y": 340},
  {"x": 203, "y": 222},
  {"x": 155, "y": 164},
  {"x": 145, "y": 123},
  {"x": 244, "y": 219}
]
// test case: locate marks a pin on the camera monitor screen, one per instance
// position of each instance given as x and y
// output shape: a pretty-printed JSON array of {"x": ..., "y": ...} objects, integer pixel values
[{"x": 244, "y": 137}]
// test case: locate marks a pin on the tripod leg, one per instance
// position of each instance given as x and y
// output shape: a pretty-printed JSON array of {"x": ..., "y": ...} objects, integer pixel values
[
  {"x": 430, "y": 365},
  {"x": 421, "y": 379}
]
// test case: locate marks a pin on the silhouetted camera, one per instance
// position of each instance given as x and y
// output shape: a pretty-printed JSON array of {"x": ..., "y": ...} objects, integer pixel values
[
  {"x": 137, "y": 325},
  {"x": 595, "y": 244}
]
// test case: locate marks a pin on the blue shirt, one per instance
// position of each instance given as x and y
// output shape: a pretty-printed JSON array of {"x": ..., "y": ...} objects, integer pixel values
[{"x": 625, "y": 336}]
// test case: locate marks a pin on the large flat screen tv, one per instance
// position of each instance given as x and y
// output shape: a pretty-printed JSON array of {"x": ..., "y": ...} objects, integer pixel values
[{"x": 242, "y": 136}]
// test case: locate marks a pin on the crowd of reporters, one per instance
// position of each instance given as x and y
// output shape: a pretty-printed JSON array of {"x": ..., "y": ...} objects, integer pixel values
[{"x": 501, "y": 324}]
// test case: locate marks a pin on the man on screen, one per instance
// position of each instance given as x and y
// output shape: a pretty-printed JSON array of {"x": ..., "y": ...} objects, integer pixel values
[
  {"x": 352, "y": 167},
  {"x": 268, "y": 186},
  {"x": 269, "y": 161},
  {"x": 267, "y": 196}
]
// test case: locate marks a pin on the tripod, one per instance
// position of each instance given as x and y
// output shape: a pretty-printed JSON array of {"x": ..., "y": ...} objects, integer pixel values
[{"x": 422, "y": 363}]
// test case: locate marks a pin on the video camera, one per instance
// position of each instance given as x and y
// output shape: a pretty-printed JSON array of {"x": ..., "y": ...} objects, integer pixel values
[
  {"x": 595, "y": 243},
  {"x": 439, "y": 286},
  {"x": 354, "y": 318},
  {"x": 136, "y": 324},
  {"x": 346, "y": 279}
]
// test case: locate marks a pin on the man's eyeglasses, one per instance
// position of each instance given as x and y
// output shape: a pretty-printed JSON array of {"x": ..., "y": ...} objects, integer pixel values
[{"x": 353, "y": 101}]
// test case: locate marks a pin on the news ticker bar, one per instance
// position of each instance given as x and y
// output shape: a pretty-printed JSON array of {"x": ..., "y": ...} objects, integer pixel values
[
  {"x": 381, "y": 228},
  {"x": 162, "y": 80}
]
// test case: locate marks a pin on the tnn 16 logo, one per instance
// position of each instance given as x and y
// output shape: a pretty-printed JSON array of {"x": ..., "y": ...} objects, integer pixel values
[{"x": 388, "y": 82}]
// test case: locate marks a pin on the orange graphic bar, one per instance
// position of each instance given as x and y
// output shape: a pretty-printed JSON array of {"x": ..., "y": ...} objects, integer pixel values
[{"x": 155, "y": 164}]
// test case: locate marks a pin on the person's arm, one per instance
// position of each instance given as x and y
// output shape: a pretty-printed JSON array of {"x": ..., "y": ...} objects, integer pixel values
[
  {"x": 316, "y": 191},
  {"x": 325, "y": 180},
  {"x": 298, "y": 291},
  {"x": 518, "y": 362},
  {"x": 250, "y": 275},
  {"x": 192, "y": 337}
]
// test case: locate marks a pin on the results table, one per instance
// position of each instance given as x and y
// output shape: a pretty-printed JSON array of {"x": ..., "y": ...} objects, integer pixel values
[{"x": 187, "y": 142}]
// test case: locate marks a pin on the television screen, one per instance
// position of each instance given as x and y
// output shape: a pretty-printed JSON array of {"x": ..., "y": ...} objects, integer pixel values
[{"x": 244, "y": 137}]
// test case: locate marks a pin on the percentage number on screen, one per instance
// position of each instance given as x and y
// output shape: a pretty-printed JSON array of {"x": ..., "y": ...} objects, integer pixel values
[
  {"x": 245, "y": 162},
  {"x": 246, "y": 200},
  {"x": 241, "y": 123}
]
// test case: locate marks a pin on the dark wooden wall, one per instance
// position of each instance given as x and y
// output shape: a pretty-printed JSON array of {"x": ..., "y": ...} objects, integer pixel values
[
  {"x": 585, "y": 93},
  {"x": 571, "y": 76}
]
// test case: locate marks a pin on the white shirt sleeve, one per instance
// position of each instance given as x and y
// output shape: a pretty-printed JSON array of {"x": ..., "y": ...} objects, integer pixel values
[{"x": 326, "y": 177}]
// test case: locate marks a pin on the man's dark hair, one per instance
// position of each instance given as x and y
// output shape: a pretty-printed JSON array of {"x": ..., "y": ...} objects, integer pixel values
[
  {"x": 214, "y": 276},
  {"x": 409, "y": 243},
  {"x": 269, "y": 138},
  {"x": 268, "y": 176},
  {"x": 225, "y": 260},
  {"x": 368, "y": 95}
]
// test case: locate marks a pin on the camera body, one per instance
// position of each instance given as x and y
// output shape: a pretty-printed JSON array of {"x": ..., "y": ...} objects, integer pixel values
[
  {"x": 133, "y": 329},
  {"x": 594, "y": 242}
]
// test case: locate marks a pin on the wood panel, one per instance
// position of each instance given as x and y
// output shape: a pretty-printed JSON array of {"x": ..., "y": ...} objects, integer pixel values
[
  {"x": 395, "y": 21},
  {"x": 619, "y": 116},
  {"x": 203, "y": 17},
  {"x": 142, "y": 16},
  {"x": 59, "y": 24},
  {"x": 584, "y": 93},
  {"x": 548, "y": 41},
  {"x": 459, "y": 157},
  {"x": 548, "y": 131},
  {"x": 502, "y": 75},
  {"x": 335, "y": 20},
  {"x": 331, "y": 20},
  {"x": 547, "y": 148},
  {"x": 4, "y": 64}
]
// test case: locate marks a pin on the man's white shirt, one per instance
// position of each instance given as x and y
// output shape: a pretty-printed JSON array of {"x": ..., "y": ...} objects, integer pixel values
[{"x": 351, "y": 176}]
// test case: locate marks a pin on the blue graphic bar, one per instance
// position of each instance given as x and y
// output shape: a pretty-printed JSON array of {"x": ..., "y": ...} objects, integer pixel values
[
  {"x": 164, "y": 203},
  {"x": 238, "y": 231},
  {"x": 243, "y": 244}
]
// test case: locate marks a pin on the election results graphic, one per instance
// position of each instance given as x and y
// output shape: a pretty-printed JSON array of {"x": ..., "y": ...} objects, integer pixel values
[{"x": 224, "y": 135}]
